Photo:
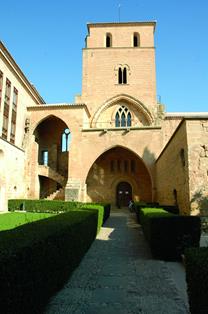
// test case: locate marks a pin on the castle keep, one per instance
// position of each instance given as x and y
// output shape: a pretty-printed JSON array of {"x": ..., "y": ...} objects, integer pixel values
[{"x": 114, "y": 143}]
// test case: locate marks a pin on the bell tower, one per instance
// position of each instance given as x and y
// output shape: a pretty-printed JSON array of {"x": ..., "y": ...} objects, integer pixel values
[{"x": 119, "y": 59}]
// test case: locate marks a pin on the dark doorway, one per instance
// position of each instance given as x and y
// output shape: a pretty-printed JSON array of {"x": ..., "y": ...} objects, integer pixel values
[{"x": 123, "y": 194}]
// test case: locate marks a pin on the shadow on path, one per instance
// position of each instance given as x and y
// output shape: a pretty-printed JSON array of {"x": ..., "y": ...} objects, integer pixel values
[{"x": 118, "y": 275}]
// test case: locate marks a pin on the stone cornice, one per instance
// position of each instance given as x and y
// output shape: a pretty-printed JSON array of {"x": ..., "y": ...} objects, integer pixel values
[
  {"x": 186, "y": 115},
  {"x": 126, "y": 129},
  {"x": 16, "y": 69},
  {"x": 61, "y": 106},
  {"x": 119, "y": 24},
  {"x": 112, "y": 48}
]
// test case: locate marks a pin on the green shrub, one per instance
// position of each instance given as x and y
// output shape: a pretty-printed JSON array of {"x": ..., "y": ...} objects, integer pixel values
[
  {"x": 56, "y": 206},
  {"x": 15, "y": 219},
  {"x": 196, "y": 261},
  {"x": 168, "y": 234},
  {"x": 97, "y": 208},
  {"x": 36, "y": 259},
  {"x": 41, "y": 205}
]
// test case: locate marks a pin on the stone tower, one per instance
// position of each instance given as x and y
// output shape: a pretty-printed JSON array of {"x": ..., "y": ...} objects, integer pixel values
[{"x": 119, "y": 59}]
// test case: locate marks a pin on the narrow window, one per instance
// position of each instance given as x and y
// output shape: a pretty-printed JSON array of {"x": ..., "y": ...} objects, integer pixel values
[
  {"x": 124, "y": 76},
  {"x": 118, "y": 165},
  {"x": 112, "y": 166},
  {"x": 120, "y": 76},
  {"x": 129, "y": 119},
  {"x": 136, "y": 40},
  {"x": 126, "y": 165},
  {"x": 1, "y": 86},
  {"x": 117, "y": 120},
  {"x": 6, "y": 109},
  {"x": 45, "y": 157},
  {"x": 14, "y": 115},
  {"x": 133, "y": 167},
  {"x": 108, "y": 40},
  {"x": 65, "y": 140},
  {"x": 123, "y": 119}
]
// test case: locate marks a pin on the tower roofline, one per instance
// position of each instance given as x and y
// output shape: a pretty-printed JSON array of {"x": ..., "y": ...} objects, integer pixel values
[{"x": 109, "y": 24}]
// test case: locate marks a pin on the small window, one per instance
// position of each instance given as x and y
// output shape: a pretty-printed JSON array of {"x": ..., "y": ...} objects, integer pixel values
[
  {"x": 126, "y": 165},
  {"x": 112, "y": 166},
  {"x": 108, "y": 40},
  {"x": 65, "y": 140},
  {"x": 45, "y": 157},
  {"x": 122, "y": 75},
  {"x": 136, "y": 40},
  {"x": 133, "y": 166}
]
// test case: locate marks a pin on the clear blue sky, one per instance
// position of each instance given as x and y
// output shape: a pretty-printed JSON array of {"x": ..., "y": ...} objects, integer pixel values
[{"x": 46, "y": 37}]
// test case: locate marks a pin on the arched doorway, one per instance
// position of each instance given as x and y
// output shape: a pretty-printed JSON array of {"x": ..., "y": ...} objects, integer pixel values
[{"x": 123, "y": 194}]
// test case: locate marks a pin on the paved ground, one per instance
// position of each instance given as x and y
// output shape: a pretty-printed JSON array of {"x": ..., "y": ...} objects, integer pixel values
[{"x": 118, "y": 275}]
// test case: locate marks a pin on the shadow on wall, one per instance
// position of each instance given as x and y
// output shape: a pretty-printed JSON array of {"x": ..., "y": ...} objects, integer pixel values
[
  {"x": 148, "y": 156},
  {"x": 200, "y": 200}
]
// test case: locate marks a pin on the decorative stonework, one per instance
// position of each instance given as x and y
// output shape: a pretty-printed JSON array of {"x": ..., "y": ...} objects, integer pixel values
[
  {"x": 205, "y": 126},
  {"x": 204, "y": 151}
]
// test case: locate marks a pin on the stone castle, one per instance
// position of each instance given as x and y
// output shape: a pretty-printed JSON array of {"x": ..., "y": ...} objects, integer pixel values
[{"x": 114, "y": 143}]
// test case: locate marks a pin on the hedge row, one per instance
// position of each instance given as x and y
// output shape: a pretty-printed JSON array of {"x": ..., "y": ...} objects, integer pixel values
[
  {"x": 54, "y": 206},
  {"x": 168, "y": 208},
  {"x": 36, "y": 259},
  {"x": 196, "y": 261},
  {"x": 168, "y": 234}
]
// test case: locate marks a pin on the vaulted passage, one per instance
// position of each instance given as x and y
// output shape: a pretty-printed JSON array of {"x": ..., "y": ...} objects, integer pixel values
[
  {"x": 117, "y": 176},
  {"x": 52, "y": 139}
]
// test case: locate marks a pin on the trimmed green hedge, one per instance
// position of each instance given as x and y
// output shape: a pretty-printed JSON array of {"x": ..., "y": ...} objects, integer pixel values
[
  {"x": 167, "y": 208},
  {"x": 16, "y": 219},
  {"x": 196, "y": 262},
  {"x": 41, "y": 205},
  {"x": 54, "y": 206},
  {"x": 168, "y": 234},
  {"x": 36, "y": 259}
]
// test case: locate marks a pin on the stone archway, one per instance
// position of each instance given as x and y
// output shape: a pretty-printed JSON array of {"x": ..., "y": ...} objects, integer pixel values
[
  {"x": 49, "y": 157},
  {"x": 116, "y": 165}
]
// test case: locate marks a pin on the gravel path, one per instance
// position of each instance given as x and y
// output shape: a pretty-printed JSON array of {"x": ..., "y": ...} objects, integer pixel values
[{"x": 118, "y": 276}]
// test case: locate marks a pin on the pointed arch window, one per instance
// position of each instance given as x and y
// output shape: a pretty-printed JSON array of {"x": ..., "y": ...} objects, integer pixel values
[
  {"x": 122, "y": 75},
  {"x": 108, "y": 40},
  {"x": 123, "y": 117},
  {"x": 65, "y": 140},
  {"x": 136, "y": 40}
]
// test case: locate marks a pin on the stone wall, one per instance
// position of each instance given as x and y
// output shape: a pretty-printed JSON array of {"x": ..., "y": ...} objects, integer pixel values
[
  {"x": 197, "y": 136},
  {"x": 172, "y": 180},
  {"x": 12, "y": 177}
]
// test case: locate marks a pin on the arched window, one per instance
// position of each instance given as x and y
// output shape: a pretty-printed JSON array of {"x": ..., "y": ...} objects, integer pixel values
[
  {"x": 65, "y": 140},
  {"x": 122, "y": 75},
  {"x": 136, "y": 40},
  {"x": 123, "y": 117},
  {"x": 108, "y": 42}
]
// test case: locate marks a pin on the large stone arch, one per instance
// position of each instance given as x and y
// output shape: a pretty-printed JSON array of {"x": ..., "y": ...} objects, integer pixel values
[
  {"x": 137, "y": 105},
  {"x": 50, "y": 163},
  {"x": 45, "y": 117},
  {"x": 114, "y": 165}
]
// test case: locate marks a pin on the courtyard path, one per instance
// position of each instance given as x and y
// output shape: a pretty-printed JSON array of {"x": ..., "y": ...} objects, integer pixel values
[{"x": 118, "y": 276}]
